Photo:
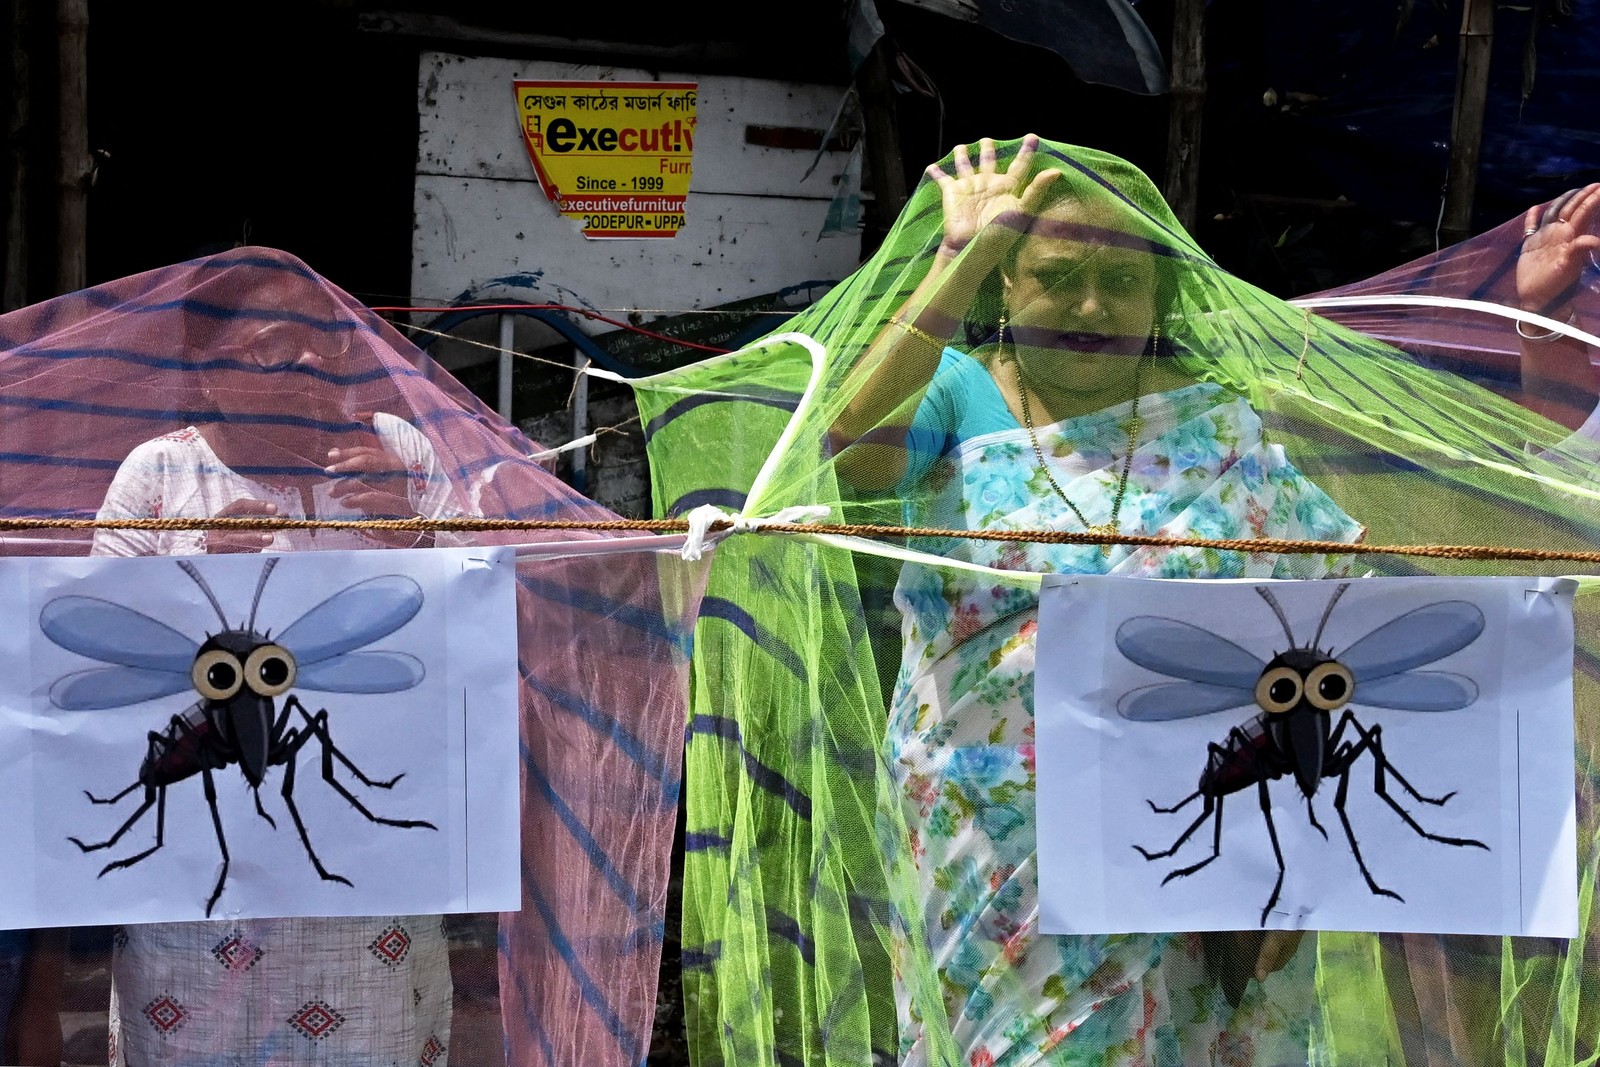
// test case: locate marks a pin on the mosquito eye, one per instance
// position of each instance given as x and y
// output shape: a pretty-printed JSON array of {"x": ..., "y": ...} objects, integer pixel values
[
  {"x": 1278, "y": 690},
  {"x": 269, "y": 670},
  {"x": 216, "y": 674},
  {"x": 1329, "y": 685}
]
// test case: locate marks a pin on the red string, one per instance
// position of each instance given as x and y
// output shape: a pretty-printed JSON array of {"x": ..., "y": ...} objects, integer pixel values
[{"x": 585, "y": 312}]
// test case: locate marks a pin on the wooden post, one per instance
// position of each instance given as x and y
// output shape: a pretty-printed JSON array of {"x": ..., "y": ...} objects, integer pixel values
[
  {"x": 15, "y": 294},
  {"x": 884, "y": 161},
  {"x": 1466, "y": 123},
  {"x": 1181, "y": 184},
  {"x": 72, "y": 165}
]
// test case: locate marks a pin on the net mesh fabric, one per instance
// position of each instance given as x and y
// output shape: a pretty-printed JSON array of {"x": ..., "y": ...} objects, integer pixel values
[
  {"x": 266, "y": 366},
  {"x": 856, "y": 890}
]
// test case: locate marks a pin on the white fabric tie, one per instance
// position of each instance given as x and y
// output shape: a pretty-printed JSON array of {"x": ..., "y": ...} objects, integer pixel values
[{"x": 701, "y": 518}]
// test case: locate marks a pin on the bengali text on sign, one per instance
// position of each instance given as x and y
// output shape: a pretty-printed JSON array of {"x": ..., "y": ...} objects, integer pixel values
[{"x": 612, "y": 156}]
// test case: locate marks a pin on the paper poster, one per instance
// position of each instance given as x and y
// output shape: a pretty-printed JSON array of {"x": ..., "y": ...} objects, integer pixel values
[
  {"x": 1385, "y": 754},
  {"x": 612, "y": 156},
  {"x": 236, "y": 736}
]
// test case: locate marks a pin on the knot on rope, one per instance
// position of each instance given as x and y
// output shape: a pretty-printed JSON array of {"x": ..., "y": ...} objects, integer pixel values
[{"x": 704, "y": 517}]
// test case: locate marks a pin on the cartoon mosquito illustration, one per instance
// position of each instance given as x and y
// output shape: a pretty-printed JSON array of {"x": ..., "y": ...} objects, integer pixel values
[
  {"x": 1298, "y": 691},
  {"x": 238, "y": 674}
]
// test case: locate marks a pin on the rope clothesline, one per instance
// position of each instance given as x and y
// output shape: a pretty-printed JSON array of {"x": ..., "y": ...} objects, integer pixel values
[{"x": 1257, "y": 545}]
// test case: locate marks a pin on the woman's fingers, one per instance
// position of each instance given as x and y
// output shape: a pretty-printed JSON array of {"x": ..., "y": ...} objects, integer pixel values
[
  {"x": 988, "y": 161},
  {"x": 1033, "y": 196},
  {"x": 224, "y": 542},
  {"x": 246, "y": 507},
  {"x": 364, "y": 458},
  {"x": 1530, "y": 221},
  {"x": 376, "y": 503},
  {"x": 1555, "y": 211},
  {"x": 986, "y": 156},
  {"x": 1581, "y": 208},
  {"x": 371, "y": 501},
  {"x": 1020, "y": 165}
]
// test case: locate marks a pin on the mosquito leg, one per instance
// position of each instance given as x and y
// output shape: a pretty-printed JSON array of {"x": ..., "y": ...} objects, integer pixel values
[
  {"x": 1213, "y": 804},
  {"x": 161, "y": 832},
  {"x": 284, "y": 742},
  {"x": 1381, "y": 767},
  {"x": 222, "y": 842},
  {"x": 280, "y": 726},
  {"x": 112, "y": 800},
  {"x": 294, "y": 813},
  {"x": 151, "y": 795},
  {"x": 318, "y": 724},
  {"x": 263, "y": 811},
  {"x": 1210, "y": 804},
  {"x": 1272, "y": 832},
  {"x": 1311, "y": 813},
  {"x": 1350, "y": 835},
  {"x": 1374, "y": 741},
  {"x": 330, "y": 752},
  {"x": 1179, "y": 806}
]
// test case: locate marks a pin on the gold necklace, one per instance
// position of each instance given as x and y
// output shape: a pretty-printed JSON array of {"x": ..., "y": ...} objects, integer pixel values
[{"x": 1135, "y": 425}]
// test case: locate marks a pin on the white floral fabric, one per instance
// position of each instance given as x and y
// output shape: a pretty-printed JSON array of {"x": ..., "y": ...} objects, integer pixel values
[{"x": 960, "y": 738}]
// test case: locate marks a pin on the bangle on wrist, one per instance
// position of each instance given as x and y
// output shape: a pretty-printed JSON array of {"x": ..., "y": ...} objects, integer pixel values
[
  {"x": 918, "y": 332},
  {"x": 1548, "y": 335}
]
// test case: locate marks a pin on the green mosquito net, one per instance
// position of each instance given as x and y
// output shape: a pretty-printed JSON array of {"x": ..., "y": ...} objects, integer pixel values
[{"x": 1038, "y": 346}]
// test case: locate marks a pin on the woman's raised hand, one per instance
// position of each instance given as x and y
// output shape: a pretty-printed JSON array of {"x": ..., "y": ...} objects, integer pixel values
[
  {"x": 1557, "y": 240},
  {"x": 975, "y": 197}
]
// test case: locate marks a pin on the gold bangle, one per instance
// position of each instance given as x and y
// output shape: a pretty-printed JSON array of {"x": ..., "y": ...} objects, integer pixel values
[{"x": 916, "y": 331}]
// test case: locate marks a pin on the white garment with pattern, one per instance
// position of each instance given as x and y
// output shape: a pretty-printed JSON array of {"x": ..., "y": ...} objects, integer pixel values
[{"x": 305, "y": 992}]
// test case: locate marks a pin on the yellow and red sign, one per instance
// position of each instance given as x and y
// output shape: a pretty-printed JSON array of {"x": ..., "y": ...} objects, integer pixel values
[{"x": 613, "y": 156}]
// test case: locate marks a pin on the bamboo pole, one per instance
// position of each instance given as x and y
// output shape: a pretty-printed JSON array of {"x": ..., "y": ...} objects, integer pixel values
[
  {"x": 1181, "y": 183},
  {"x": 73, "y": 162},
  {"x": 1466, "y": 123},
  {"x": 15, "y": 294},
  {"x": 884, "y": 161}
]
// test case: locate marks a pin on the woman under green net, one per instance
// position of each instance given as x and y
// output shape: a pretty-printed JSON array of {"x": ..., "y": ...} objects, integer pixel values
[
  {"x": 1038, "y": 345},
  {"x": 1043, "y": 375}
]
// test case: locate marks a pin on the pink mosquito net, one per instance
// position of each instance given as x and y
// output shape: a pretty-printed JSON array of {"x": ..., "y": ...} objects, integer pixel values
[{"x": 251, "y": 362}]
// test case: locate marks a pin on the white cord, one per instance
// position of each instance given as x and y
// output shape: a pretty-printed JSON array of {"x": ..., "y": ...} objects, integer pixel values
[
  {"x": 552, "y": 453},
  {"x": 701, "y": 518}
]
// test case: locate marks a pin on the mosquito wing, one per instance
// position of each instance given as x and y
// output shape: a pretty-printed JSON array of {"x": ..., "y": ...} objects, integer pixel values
[
  {"x": 1183, "y": 650},
  {"x": 1412, "y": 640},
  {"x": 363, "y": 672},
  {"x": 352, "y": 617},
  {"x": 113, "y": 633},
  {"x": 114, "y": 687},
  {"x": 1417, "y": 691},
  {"x": 1180, "y": 700}
]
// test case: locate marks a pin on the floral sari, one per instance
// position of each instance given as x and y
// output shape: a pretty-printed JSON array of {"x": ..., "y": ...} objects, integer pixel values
[{"x": 960, "y": 733}]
